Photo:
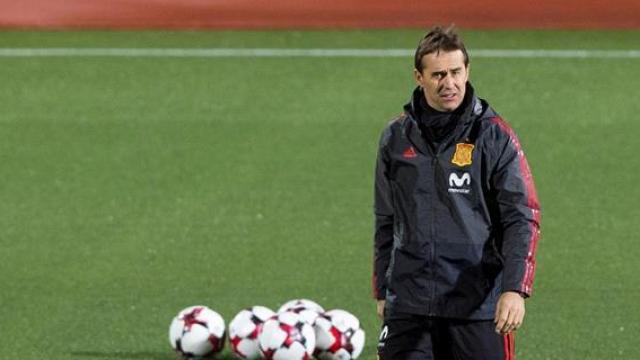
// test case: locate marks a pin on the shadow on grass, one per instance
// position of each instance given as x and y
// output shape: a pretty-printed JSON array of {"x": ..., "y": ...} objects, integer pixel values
[{"x": 135, "y": 355}]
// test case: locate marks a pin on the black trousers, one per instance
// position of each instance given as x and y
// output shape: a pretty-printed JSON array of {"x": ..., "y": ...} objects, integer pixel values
[{"x": 416, "y": 337}]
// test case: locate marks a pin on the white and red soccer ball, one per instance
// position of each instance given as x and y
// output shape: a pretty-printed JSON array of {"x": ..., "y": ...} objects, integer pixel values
[
  {"x": 299, "y": 331},
  {"x": 244, "y": 330},
  {"x": 307, "y": 309},
  {"x": 287, "y": 336},
  {"x": 197, "y": 331},
  {"x": 338, "y": 336}
]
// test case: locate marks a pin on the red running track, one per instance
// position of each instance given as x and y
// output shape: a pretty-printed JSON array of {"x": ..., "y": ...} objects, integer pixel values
[{"x": 315, "y": 14}]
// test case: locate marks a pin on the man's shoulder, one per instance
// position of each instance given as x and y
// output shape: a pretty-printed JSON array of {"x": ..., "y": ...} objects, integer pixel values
[
  {"x": 498, "y": 127},
  {"x": 394, "y": 126},
  {"x": 487, "y": 119},
  {"x": 398, "y": 120},
  {"x": 494, "y": 133}
]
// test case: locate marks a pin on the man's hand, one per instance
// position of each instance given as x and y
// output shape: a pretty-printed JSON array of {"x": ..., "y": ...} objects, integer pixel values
[
  {"x": 509, "y": 312},
  {"x": 380, "y": 308}
]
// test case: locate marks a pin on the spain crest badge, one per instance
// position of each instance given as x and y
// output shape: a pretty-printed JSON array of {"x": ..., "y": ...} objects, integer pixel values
[{"x": 462, "y": 156}]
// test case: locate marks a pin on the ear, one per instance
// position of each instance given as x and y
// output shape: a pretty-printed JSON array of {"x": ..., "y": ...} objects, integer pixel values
[
  {"x": 468, "y": 71},
  {"x": 418, "y": 76}
]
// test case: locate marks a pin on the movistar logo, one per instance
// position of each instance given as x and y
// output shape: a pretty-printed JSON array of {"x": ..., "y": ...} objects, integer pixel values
[{"x": 459, "y": 183}]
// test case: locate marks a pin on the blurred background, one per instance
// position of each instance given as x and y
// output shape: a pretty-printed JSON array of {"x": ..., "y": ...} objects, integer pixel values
[{"x": 157, "y": 154}]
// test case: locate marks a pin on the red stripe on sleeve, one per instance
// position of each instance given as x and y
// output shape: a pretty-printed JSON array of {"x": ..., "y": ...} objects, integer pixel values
[{"x": 532, "y": 203}]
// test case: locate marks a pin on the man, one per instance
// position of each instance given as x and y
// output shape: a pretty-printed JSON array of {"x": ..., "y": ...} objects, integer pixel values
[{"x": 456, "y": 218}]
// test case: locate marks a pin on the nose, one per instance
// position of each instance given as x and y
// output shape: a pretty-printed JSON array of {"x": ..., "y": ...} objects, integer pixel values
[{"x": 448, "y": 80}]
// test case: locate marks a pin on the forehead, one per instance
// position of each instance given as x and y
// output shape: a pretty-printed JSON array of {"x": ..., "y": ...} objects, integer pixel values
[{"x": 443, "y": 60}]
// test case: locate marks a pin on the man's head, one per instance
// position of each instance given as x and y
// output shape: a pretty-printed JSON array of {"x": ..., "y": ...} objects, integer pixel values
[{"x": 442, "y": 68}]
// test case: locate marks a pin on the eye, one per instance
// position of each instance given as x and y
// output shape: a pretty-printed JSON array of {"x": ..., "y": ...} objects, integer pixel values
[{"x": 439, "y": 75}]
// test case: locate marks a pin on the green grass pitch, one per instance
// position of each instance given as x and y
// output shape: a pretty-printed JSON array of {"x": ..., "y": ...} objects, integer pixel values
[{"x": 134, "y": 187}]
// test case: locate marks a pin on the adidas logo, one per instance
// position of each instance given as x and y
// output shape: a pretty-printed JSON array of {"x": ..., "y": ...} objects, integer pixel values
[{"x": 410, "y": 153}]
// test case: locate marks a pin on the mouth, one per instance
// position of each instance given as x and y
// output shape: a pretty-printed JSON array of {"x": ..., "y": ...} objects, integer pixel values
[{"x": 448, "y": 96}]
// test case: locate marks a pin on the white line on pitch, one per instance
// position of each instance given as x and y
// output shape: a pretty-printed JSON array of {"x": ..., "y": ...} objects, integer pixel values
[{"x": 284, "y": 52}]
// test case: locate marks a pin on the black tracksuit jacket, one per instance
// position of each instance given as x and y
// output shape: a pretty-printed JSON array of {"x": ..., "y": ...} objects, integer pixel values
[{"x": 457, "y": 225}]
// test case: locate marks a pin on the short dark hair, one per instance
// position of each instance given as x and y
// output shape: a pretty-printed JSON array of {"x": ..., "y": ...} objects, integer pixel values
[{"x": 440, "y": 39}]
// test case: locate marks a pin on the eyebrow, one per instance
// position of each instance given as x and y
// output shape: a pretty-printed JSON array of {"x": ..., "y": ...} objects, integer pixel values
[{"x": 444, "y": 72}]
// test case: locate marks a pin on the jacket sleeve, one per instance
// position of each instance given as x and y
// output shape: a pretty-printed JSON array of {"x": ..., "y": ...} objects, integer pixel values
[
  {"x": 383, "y": 211},
  {"x": 519, "y": 212}
]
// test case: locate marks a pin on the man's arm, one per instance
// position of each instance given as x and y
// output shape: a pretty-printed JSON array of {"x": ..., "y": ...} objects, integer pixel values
[
  {"x": 520, "y": 222},
  {"x": 383, "y": 237}
]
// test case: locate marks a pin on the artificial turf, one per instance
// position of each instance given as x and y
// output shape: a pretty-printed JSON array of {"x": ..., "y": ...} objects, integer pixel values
[{"x": 134, "y": 187}]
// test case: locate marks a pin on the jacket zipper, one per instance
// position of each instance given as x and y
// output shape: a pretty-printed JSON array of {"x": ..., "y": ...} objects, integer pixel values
[{"x": 434, "y": 160}]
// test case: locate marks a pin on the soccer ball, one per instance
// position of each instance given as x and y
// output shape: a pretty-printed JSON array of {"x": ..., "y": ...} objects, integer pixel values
[
  {"x": 244, "y": 330},
  {"x": 338, "y": 336},
  {"x": 197, "y": 331},
  {"x": 307, "y": 309},
  {"x": 286, "y": 336}
]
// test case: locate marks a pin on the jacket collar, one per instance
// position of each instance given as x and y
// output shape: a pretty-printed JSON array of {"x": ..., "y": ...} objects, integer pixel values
[
  {"x": 473, "y": 108},
  {"x": 472, "y": 105}
]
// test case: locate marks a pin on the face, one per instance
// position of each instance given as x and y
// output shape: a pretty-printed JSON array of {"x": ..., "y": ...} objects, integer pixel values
[{"x": 443, "y": 79}]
